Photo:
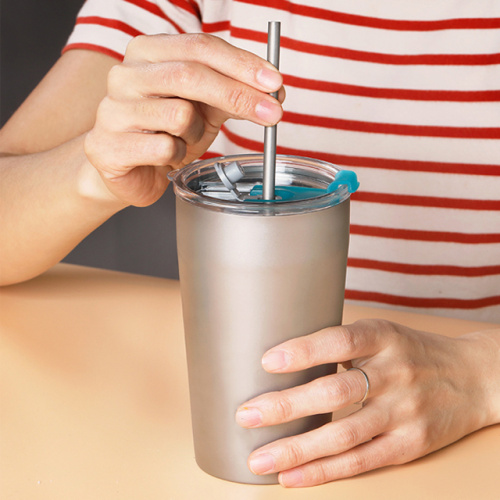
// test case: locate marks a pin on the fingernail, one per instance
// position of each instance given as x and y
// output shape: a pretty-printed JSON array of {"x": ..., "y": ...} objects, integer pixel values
[
  {"x": 269, "y": 79},
  {"x": 248, "y": 417},
  {"x": 291, "y": 478},
  {"x": 260, "y": 464},
  {"x": 268, "y": 111},
  {"x": 275, "y": 360}
]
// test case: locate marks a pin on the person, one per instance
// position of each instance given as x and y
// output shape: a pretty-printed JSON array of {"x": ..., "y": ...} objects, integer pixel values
[{"x": 406, "y": 96}]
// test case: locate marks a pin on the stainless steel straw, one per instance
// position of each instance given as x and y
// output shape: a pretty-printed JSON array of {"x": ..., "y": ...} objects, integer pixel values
[{"x": 273, "y": 56}]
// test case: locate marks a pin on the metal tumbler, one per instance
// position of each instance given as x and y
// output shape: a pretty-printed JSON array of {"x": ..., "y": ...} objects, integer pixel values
[{"x": 254, "y": 274}]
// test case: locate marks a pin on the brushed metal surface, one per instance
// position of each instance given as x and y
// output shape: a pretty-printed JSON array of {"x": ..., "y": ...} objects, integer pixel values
[{"x": 249, "y": 283}]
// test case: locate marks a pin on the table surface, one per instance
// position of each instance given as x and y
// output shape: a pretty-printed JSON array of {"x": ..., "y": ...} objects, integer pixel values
[{"x": 94, "y": 402}]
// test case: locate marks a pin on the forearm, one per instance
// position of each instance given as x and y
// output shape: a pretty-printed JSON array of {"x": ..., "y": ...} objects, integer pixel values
[{"x": 49, "y": 202}]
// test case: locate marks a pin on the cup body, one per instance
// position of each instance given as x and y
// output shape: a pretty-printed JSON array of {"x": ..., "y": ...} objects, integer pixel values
[{"x": 251, "y": 278}]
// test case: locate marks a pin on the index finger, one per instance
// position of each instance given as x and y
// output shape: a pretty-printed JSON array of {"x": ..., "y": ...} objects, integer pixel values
[
  {"x": 211, "y": 51},
  {"x": 337, "y": 344}
]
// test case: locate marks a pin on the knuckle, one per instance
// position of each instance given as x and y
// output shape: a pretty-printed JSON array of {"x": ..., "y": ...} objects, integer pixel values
[
  {"x": 317, "y": 474},
  {"x": 356, "y": 464},
  {"x": 410, "y": 408},
  {"x": 105, "y": 106},
  {"x": 303, "y": 352},
  {"x": 406, "y": 447},
  {"x": 337, "y": 389},
  {"x": 386, "y": 326},
  {"x": 421, "y": 442},
  {"x": 181, "y": 75},
  {"x": 407, "y": 372},
  {"x": 164, "y": 150},
  {"x": 117, "y": 75},
  {"x": 284, "y": 407},
  {"x": 199, "y": 42},
  {"x": 294, "y": 454},
  {"x": 106, "y": 114},
  {"x": 173, "y": 152},
  {"x": 180, "y": 117},
  {"x": 136, "y": 45},
  {"x": 114, "y": 76},
  {"x": 379, "y": 324},
  {"x": 407, "y": 444},
  {"x": 347, "y": 435},
  {"x": 105, "y": 158},
  {"x": 347, "y": 338},
  {"x": 91, "y": 147},
  {"x": 239, "y": 102}
]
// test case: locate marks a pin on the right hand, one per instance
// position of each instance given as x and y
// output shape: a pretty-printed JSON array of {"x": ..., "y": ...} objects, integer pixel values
[
  {"x": 426, "y": 391},
  {"x": 166, "y": 104}
]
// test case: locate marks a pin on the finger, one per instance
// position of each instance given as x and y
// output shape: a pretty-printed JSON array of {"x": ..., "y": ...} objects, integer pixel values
[
  {"x": 142, "y": 186},
  {"x": 323, "y": 395},
  {"x": 116, "y": 154},
  {"x": 196, "y": 82},
  {"x": 331, "y": 439},
  {"x": 176, "y": 117},
  {"x": 210, "y": 51},
  {"x": 336, "y": 344},
  {"x": 379, "y": 452}
]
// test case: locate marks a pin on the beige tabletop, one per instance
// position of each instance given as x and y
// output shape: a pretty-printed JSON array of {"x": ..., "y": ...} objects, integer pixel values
[{"x": 94, "y": 402}]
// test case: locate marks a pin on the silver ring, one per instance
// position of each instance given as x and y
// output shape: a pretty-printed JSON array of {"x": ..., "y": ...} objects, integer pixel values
[{"x": 363, "y": 399}]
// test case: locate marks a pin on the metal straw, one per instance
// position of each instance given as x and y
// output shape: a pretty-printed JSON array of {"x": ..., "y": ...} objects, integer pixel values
[{"x": 273, "y": 56}]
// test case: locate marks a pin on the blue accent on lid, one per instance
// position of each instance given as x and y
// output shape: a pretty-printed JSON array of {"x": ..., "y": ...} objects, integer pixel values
[
  {"x": 344, "y": 178},
  {"x": 296, "y": 193}
]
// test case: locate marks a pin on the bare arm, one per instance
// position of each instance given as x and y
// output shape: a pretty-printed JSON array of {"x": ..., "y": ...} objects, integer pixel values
[
  {"x": 81, "y": 148},
  {"x": 51, "y": 196}
]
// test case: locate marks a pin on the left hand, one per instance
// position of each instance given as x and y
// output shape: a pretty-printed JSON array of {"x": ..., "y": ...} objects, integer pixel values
[
  {"x": 165, "y": 104},
  {"x": 426, "y": 391}
]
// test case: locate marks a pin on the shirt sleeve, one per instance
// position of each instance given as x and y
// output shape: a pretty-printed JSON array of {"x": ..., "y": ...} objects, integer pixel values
[{"x": 108, "y": 26}]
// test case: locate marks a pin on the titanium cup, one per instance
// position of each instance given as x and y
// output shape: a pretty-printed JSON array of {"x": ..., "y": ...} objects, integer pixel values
[{"x": 254, "y": 274}]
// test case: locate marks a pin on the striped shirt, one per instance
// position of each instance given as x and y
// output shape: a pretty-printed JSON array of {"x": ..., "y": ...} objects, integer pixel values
[{"x": 406, "y": 94}]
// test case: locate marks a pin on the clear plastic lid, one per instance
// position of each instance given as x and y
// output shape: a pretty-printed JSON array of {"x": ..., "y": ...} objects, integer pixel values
[{"x": 302, "y": 185}]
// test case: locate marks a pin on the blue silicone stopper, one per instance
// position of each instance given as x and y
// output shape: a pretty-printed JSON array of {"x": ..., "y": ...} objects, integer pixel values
[{"x": 296, "y": 193}]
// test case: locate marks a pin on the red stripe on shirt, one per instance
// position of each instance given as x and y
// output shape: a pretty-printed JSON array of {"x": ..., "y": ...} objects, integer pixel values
[
  {"x": 368, "y": 162},
  {"x": 382, "y": 93},
  {"x": 154, "y": 9},
  {"x": 423, "y": 270},
  {"x": 149, "y": 6},
  {"x": 388, "y": 93},
  {"x": 375, "y": 22},
  {"x": 216, "y": 27},
  {"x": 417, "y": 235},
  {"x": 392, "y": 128},
  {"x": 411, "y": 165},
  {"x": 421, "y": 302},
  {"x": 372, "y": 57},
  {"x": 188, "y": 6},
  {"x": 428, "y": 201},
  {"x": 109, "y": 23},
  {"x": 93, "y": 48}
]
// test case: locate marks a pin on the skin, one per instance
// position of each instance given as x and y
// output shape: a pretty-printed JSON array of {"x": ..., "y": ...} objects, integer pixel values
[
  {"x": 68, "y": 164},
  {"x": 426, "y": 391},
  {"x": 97, "y": 135}
]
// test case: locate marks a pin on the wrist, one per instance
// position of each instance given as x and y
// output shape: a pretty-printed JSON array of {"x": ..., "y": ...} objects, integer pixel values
[
  {"x": 91, "y": 187},
  {"x": 485, "y": 346}
]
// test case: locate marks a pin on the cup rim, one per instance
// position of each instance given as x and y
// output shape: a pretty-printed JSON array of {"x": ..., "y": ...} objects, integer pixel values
[{"x": 181, "y": 177}]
